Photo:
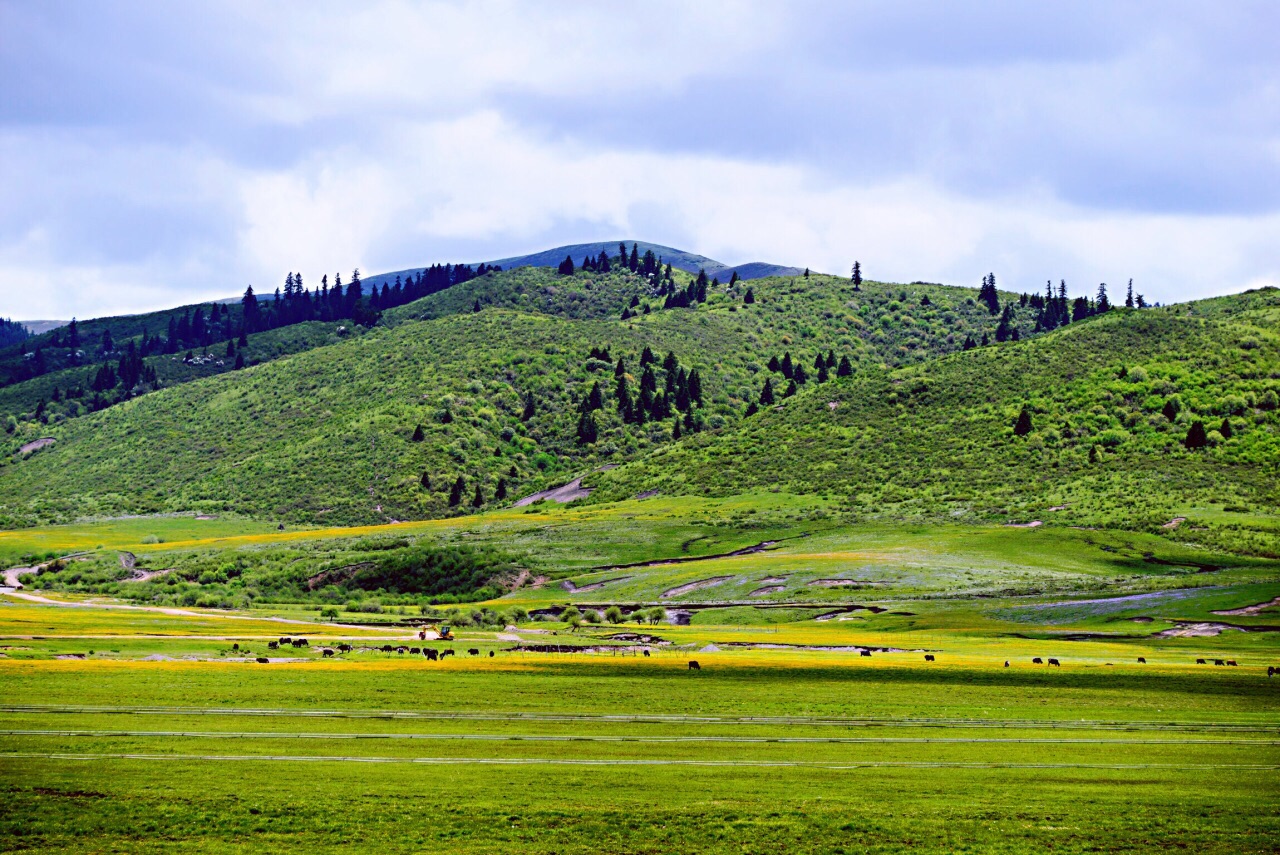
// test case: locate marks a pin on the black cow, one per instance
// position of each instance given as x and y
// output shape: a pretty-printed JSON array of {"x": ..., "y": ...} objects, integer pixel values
[
  {"x": 264, "y": 660},
  {"x": 431, "y": 653},
  {"x": 235, "y": 646},
  {"x": 864, "y": 652},
  {"x": 1201, "y": 662},
  {"x": 1271, "y": 671},
  {"x": 490, "y": 654},
  {"x": 445, "y": 653},
  {"x": 345, "y": 648},
  {"x": 328, "y": 652},
  {"x": 646, "y": 653},
  {"x": 415, "y": 651},
  {"x": 1219, "y": 662},
  {"x": 1037, "y": 661},
  {"x": 1232, "y": 663},
  {"x": 284, "y": 639},
  {"x": 401, "y": 650},
  {"x": 273, "y": 645},
  {"x": 1055, "y": 663},
  {"x": 387, "y": 648},
  {"x": 928, "y": 657},
  {"x": 694, "y": 666},
  {"x": 471, "y": 651},
  {"x": 1142, "y": 660},
  {"x": 1006, "y": 663}
]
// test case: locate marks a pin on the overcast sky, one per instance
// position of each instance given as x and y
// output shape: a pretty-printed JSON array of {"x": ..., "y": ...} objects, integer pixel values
[{"x": 159, "y": 153}]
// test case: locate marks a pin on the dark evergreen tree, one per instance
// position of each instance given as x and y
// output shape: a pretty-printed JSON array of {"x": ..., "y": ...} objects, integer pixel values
[
  {"x": 774, "y": 365},
  {"x": 766, "y": 393},
  {"x": 1226, "y": 430},
  {"x": 1128, "y": 297},
  {"x": 455, "y": 492},
  {"x": 831, "y": 359},
  {"x": 418, "y": 434},
  {"x": 595, "y": 399},
  {"x": 799, "y": 375},
  {"x": 647, "y": 357},
  {"x": 1102, "y": 304},
  {"x": 845, "y": 369},
  {"x": 478, "y": 499},
  {"x": 787, "y": 369},
  {"x": 806, "y": 273},
  {"x": 239, "y": 361},
  {"x": 566, "y": 267},
  {"x": 791, "y": 389},
  {"x": 752, "y": 409},
  {"x": 425, "y": 481},
  {"x": 856, "y": 278},
  {"x": 749, "y": 297},
  {"x": 501, "y": 493},
  {"x": 1170, "y": 409},
  {"x": 529, "y": 407},
  {"x": 675, "y": 429},
  {"x": 1023, "y": 426},
  {"x": 695, "y": 387},
  {"x": 1196, "y": 436}
]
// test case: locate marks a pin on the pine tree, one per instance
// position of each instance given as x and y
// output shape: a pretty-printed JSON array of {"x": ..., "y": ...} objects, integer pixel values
[
  {"x": 1170, "y": 409},
  {"x": 475, "y": 307},
  {"x": 529, "y": 407},
  {"x": 806, "y": 273},
  {"x": 749, "y": 297},
  {"x": 239, "y": 361},
  {"x": 774, "y": 365},
  {"x": 733, "y": 279},
  {"x": 418, "y": 434},
  {"x": 1103, "y": 305},
  {"x": 799, "y": 375},
  {"x": 845, "y": 369},
  {"x": 595, "y": 399},
  {"x": 587, "y": 431},
  {"x": 766, "y": 393},
  {"x": 831, "y": 359},
  {"x": 1128, "y": 297},
  {"x": 823, "y": 375},
  {"x": 786, "y": 367},
  {"x": 1023, "y": 425},
  {"x": 634, "y": 261},
  {"x": 425, "y": 481},
  {"x": 456, "y": 491},
  {"x": 478, "y": 499},
  {"x": 1196, "y": 436},
  {"x": 1226, "y": 430},
  {"x": 790, "y": 390},
  {"x": 695, "y": 387},
  {"x": 566, "y": 267},
  {"x": 501, "y": 493},
  {"x": 856, "y": 278},
  {"x": 675, "y": 429}
]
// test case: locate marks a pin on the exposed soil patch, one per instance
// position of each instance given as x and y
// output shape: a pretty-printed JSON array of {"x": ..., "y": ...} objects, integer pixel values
[
  {"x": 834, "y": 583},
  {"x": 1032, "y": 524},
  {"x": 148, "y": 575},
  {"x": 568, "y": 585},
  {"x": 128, "y": 560},
  {"x": 647, "y": 494},
  {"x": 1249, "y": 611},
  {"x": 766, "y": 590},
  {"x": 842, "y": 612},
  {"x": 694, "y": 586},
  {"x": 563, "y": 494},
  {"x": 69, "y": 656},
  {"x": 1209, "y": 629},
  {"x": 639, "y": 637},
  {"x": 1175, "y": 522},
  {"x": 1142, "y": 619},
  {"x": 573, "y": 648},
  {"x": 337, "y": 575},
  {"x": 772, "y": 580},
  {"x": 68, "y": 794},
  {"x": 35, "y": 445},
  {"x": 205, "y": 517}
]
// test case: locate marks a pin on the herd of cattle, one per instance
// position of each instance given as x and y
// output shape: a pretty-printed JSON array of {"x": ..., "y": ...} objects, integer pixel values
[{"x": 435, "y": 655}]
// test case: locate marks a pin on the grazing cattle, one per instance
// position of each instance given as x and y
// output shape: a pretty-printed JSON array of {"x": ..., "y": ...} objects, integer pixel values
[
  {"x": 1232, "y": 663},
  {"x": 401, "y": 650},
  {"x": 327, "y": 652},
  {"x": 235, "y": 646},
  {"x": 1142, "y": 660},
  {"x": 445, "y": 653},
  {"x": 1006, "y": 663},
  {"x": 1037, "y": 661},
  {"x": 273, "y": 645},
  {"x": 1201, "y": 662},
  {"x": 345, "y": 648},
  {"x": 646, "y": 653},
  {"x": 1219, "y": 662},
  {"x": 694, "y": 666},
  {"x": 431, "y": 653},
  {"x": 284, "y": 639},
  {"x": 1271, "y": 671},
  {"x": 864, "y": 652},
  {"x": 415, "y": 651},
  {"x": 1055, "y": 663},
  {"x": 264, "y": 660},
  {"x": 490, "y": 654},
  {"x": 928, "y": 657},
  {"x": 471, "y": 651},
  {"x": 387, "y": 648}
]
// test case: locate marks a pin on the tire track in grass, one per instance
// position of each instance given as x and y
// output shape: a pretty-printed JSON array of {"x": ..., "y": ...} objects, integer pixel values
[
  {"x": 647, "y": 718},
  {"x": 548, "y": 761},
  {"x": 752, "y": 740}
]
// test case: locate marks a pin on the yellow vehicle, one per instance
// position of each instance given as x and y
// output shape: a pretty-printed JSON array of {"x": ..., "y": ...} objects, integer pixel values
[{"x": 445, "y": 633}]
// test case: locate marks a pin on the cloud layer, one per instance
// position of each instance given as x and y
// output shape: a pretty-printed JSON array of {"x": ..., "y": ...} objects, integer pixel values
[{"x": 154, "y": 153}]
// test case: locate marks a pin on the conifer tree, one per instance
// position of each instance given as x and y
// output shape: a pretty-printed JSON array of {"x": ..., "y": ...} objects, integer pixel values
[
  {"x": 749, "y": 297},
  {"x": 856, "y": 278},
  {"x": 425, "y": 481},
  {"x": 1102, "y": 303},
  {"x": 823, "y": 375},
  {"x": 239, "y": 362},
  {"x": 456, "y": 491},
  {"x": 799, "y": 375},
  {"x": 1226, "y": 430},
  {"x": 733, "y": 279},
  {"x": 695, "y": 387},
  {"x": 831, "y": 359},
  {"x": 566, "y": 267},
  {"x": 1196, "y": 436},
  {"x": 595, "y": 399},
  {"x": 1128, "y": 297},
  {"x": 845, "y": 369},
  {"x": 647, "y": 357},
  {"x": 478, "y": 499},
  {"x": 790, "y": 390},
  {"x": 774, "y": 365},
  {"x": 418, "y": 434},
  {"x": 1023, "y": 425},
  {"x": 675, "y": 429},
  {"x": 529, "y": 407},
  {"x": 1170, "y": 409},
  {"x": 766, "y": 393},
  {"x": 501, "y": 493},
  {"x": 786, "y": 367}
]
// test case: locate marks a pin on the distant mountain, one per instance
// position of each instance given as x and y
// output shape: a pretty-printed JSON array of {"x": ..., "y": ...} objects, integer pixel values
[
  {"x": 37, "y": 327},
  {"x": 677, "y": 258}
]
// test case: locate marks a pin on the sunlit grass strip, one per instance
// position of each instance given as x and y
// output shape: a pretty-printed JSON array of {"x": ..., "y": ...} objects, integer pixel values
[
  {"x": 550, "y": 761},
  {"x": 643, "y": 718},
  {"x": 647, "y": 740}
]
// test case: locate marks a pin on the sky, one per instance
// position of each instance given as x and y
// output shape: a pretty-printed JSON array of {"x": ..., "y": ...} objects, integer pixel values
[{"x": 160, "y": 153}]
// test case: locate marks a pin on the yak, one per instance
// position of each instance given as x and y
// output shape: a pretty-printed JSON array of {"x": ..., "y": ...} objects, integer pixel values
[{"x": 694, "y": 666}]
